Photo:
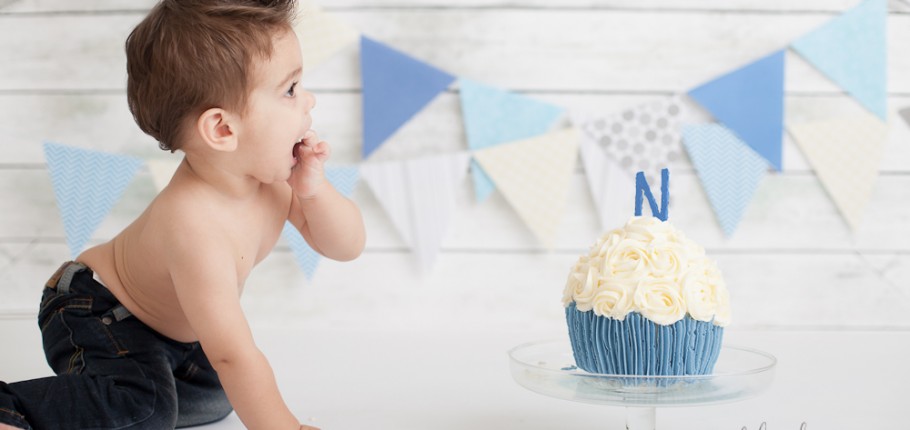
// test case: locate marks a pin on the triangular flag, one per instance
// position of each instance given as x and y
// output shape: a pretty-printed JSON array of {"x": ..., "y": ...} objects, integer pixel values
[
  {"x": 419, "y": 197},
  {"x": 533, "y": 175},
  {"x": 395, "y": 88},
  {"x": 905, "y": 114},
  {"x": 644, "y": 138},
  {"x": 162, "y": 171},
  {"x": 493, "y": 116},
  {"x": 321, "y": 35},
  {"x": 609, "y": 184},
  {"x": 845, "y": 154},
  {"x": 750, "y": 102},
  {"x": 728, "y": 169},
  {"x": 851, "y": 50},
  {"x": 87, "y": 184},
  {"x": 344, "y": 179}
]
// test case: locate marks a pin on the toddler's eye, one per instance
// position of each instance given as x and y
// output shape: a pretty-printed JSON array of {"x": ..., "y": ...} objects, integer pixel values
[{"x": 291, "y": 91}]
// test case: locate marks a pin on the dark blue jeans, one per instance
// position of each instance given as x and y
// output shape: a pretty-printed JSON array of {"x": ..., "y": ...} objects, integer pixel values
[{"x": 113, "y": 371}]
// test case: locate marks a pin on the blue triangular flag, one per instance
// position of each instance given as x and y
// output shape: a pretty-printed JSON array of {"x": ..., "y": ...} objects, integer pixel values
[
  {"x": 750, "y": 102},
  {"x": 851, "y": 50},
  {"x": 395, "y": 88},
  {"x": 87, "y": 184},
  {"x": 344, "y": 179},
  {"x": 493, "y": 116},
  {"x": 728, "y": 169}
]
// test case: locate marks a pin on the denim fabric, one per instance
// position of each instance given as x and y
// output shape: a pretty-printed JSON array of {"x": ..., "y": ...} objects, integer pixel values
[{"x": 112, "y": 372}]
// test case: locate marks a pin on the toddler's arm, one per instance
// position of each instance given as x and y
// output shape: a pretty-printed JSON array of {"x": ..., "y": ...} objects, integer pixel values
[
  {"x": 330, "y": 223},
  {"x": 204, "y": 273}
]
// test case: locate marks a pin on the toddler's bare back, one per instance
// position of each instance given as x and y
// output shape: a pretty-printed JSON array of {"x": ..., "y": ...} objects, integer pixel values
[{"x": 134, "y": 265}]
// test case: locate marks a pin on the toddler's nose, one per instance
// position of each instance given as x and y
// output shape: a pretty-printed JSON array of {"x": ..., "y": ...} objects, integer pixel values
[{"x": 310, "y": 100}]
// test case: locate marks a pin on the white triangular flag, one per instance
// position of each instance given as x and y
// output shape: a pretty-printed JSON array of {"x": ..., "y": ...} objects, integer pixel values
[
  {"x": 162, "y": 171},
  {"x": 609, "y": 184},
  {"x": 419, "y": 197},
  {"x": 533, "y": 175},
  {"x": 845, "y": 154},
  {"x": 321, "y": 35}
]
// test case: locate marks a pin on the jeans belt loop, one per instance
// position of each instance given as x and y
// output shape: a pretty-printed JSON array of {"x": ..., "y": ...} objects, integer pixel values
[
  {"x": 66, "y": 278},
  {"x": 121, "y": 313}
]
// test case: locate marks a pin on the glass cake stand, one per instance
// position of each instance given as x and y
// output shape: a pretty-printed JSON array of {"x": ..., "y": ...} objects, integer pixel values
[{"x": 548, "y": 368}]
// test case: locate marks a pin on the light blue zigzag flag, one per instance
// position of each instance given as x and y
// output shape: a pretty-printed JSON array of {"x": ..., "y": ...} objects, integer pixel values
[
  {"x": 87, "y": 184},
  {"x": 851, "y": 50},
  {"x": 344, "y": 179},
  {"x": 750, "y": 102},
  {"x": 493, "y": 116},
  {"x": 395, "y": 87},
  {"x": 728, "y": 169}
]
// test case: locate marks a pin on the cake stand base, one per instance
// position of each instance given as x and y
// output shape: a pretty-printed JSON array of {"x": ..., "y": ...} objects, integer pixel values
[{"x": 548, "y": 368}]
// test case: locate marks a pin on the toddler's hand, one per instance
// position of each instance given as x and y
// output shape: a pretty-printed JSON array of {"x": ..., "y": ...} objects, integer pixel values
[{"x": 308, "y": 176}]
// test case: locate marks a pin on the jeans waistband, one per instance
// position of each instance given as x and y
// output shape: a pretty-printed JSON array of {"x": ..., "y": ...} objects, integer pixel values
[{"x": 63, "y": 278}]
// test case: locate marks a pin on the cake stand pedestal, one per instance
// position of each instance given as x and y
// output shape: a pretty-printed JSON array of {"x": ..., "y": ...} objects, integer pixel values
[{"x": 548, "y": 368}]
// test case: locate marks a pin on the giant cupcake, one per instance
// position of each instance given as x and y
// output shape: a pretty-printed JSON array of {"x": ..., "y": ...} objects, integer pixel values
[{"x": 646, "y": 300}]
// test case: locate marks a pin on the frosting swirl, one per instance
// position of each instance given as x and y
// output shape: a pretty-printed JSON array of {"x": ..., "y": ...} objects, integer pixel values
[{"x": 648, "y": 266}]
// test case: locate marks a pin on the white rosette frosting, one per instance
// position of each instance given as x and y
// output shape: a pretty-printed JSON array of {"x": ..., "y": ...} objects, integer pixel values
[{"x": 651, "y": 268}]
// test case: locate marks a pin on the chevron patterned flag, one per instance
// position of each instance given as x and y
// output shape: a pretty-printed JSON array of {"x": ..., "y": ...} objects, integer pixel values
[
  {"x": 344, "y": 179},
  {"x": 729, "y": 170},
  {"x": 87, "y": 184}
]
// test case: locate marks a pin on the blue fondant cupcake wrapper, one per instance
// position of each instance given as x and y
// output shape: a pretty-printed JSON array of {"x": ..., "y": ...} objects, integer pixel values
[{"x": 638, "y": 346}]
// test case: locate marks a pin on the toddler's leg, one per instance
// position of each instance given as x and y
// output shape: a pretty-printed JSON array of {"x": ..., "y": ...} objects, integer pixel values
[{"x": 200, "y": 397}]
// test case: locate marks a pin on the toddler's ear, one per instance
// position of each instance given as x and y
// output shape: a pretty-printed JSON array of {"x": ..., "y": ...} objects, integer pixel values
[{"x": 216, "y": 128}]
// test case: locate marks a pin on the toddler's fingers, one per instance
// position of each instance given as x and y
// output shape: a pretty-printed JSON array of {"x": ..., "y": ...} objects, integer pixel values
[{"x": 310, "y": 138}]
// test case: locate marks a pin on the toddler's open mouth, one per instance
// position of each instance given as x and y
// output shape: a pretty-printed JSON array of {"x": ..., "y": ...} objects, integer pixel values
[{"x": 296, "y": 146}]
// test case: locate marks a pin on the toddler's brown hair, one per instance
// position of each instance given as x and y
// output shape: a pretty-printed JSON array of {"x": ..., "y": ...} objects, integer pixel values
[{"x": 188, "y": 56}]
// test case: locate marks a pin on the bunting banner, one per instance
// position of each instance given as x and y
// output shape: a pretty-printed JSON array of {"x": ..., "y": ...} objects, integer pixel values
[
  {"x": 750, "y": 102},
  {"x": 534, "y": 175},
  {"x": 493, "y": 116},
  {"x": 419, "y": 197},
  {"x": 729, "y": 170},
  {"x": 395, "y": 88},
  {"x": 344, "y": 179},
  {"x": 87, "y": 184},
  {"x": 851, "y": 50},
  {"x": 321, "y": 35},
  {"x": 845, "y": 154},
  {"x": 162, "y": 171},
  {"x": 609, "y": 185}
]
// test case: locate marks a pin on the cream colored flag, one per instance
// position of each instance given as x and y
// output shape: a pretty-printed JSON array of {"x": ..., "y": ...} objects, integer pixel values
[
  {"x": 845, "y": 154},
  {"x": 533, "y": 175},
  {"x": 162, "y": 171},
  {"x": 321, "y": 35}
]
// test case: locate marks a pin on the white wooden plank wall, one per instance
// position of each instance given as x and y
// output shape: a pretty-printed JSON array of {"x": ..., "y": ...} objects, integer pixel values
[{"x": 793, "y": 263}]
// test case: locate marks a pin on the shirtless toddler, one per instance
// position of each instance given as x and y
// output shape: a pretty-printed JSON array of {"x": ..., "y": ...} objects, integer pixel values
[{"x": 146, "y": 331}]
